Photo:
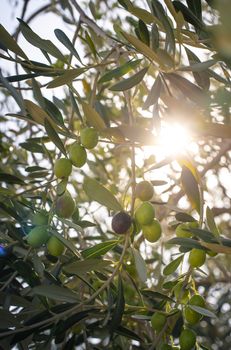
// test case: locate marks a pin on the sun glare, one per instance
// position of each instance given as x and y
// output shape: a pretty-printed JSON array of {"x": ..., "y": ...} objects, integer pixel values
[{"x": 173, "y": 139}]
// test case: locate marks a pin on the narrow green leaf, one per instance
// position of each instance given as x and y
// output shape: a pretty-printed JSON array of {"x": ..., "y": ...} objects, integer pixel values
[
  {"x": 185, "y": 242},
  {"x": 172, "y": 266},
  {"x": 42, "y": 44},
  {"x": 188, "y": 14},
  {"x": 13, "y": 92},
  {"x": 9, "y": 42},
  {"x": 32, "y": 147},
  {"x": 184, "y": 217},
  {"x": 130, "y": 82},
  {"x": 67, "y": 243},
  {"x": 162, "y": 16},
  {"x": 141, "y": 47},
  {"x": 140, "y": 264},
  {"x": 100, "y": 194},
  {"x": 191, "y": 188},
  {"x": 99, "y": 249},
  {"x": 54, "y": 137},
  {"x": 54, "y": 112},
  {"x": 65, "y": 78},
  {"x": 153, "y": 94},
  {"x": 93, "y": 117},
  {"x": 195, "y": 7},
  {"x": 83, "y": 266},
  {"x": 120, "y": 71},
  {"x": 143, "y": 32},
  {"x": 62, "y": 37},
  {"x": 119, "y": 307},
  {"x": 56, "y": 293},
  {"x": 125, "y": 332},
  {"x": 202, "y": 311},
  {"x": 211, "y": 222},
  {"x": 10, "y": 179}
]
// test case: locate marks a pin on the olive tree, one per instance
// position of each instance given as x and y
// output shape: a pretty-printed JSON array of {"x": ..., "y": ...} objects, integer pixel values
[{"x": 114, "y": 233}]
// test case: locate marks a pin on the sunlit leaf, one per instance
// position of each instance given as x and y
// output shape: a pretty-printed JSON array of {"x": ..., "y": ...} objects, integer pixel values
[
  {"x": 100, "y": 194},
  {"x": 93, "y": 117}
]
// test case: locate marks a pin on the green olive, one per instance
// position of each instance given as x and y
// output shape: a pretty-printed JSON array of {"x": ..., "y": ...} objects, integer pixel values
[
  {"x": 158, "y": 321},
  {"x": 152, "y": 232},
  {"x": 65, "y": 205},
  {"x": 197, "y": 257},
  {"x": 144, "y": 191},
  {"x": 187, "y": 339},
  {"x": 54, "y": 246},
  {"x": 89, "y": 137},
  {"x": 78, "y": 155},
  {"x": 191, "y": 316},
  {"x": 62, "y": 168},
  {"x": 40, "y": 218},
  {"x": 37, "y": 236},
  {"x": 145, "y": 213}
]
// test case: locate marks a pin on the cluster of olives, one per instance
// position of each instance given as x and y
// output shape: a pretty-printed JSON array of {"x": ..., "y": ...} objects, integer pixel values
[
  {"x": 39, "y": 235},
  {"x": 187, "y": 338},
  {"x": 197, "y": 256},
  {"x": 77, "y": 153},
  {"x": 65, "y": 205},
  {"x": 144, "y": 215}
]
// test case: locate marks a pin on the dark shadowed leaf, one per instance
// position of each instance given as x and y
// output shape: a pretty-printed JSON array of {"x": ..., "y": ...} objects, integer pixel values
[
  {"x": 185, "y": 242},
  {"x": 32, "y": 147},
  {"x": 140, "y": 264},
  {"x": 99, "y": 249},
  {"x": 211, "y": 222},
  {"x": 130, "y": 82},
  {"x": 100, "y": 194},
  {"x": 127, "y": 333},
  {"x": 62, "y": 37},
  {"x": 54, "y": 137},
  {"x": 119, "y": 307},
  {"x": 184, "y": 217},
  {"x": 8, "y": 41},
  {"x": 10, "y": 179},
  {"x": 42, "y": 44},
  {"x": 119, "y": 71},
  {"x": 191, "y": 188},
  {"x": 172, "y": 266},
  {"x": 83, "y": 266},
  {"x": 56, "y": 293},
  {"x": 153, "y": 94}
]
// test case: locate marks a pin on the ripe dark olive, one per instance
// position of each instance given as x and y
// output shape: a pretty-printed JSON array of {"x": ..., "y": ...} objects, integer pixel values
[
  {"x": 121, "y": 222},
  {"x": 144, "y": 190},
  {"x": 65, "y": 205},
  {"x": 62, "y": 168}
]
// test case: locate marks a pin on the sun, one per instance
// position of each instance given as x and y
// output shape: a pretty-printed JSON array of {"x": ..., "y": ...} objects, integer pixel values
[{"x": 173, "y": 139}]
